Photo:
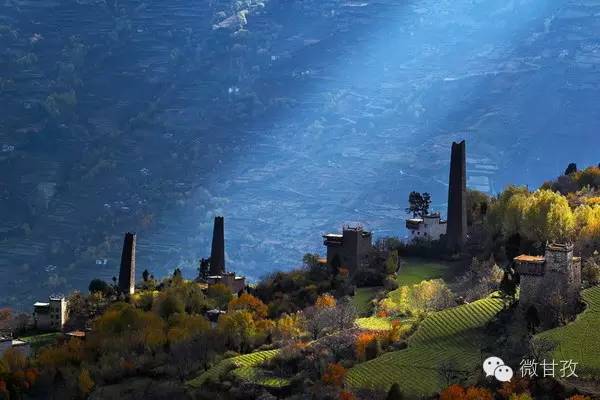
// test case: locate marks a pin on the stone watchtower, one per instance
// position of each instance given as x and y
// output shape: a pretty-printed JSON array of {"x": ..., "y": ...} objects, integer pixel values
[
  {"x": 127, "y": 270},
  {"x": 353, "y": 247},
  {"x": 217, "y": 253},
  {"x": 555, "y": 272},
  {"x": 456, "y": 231}
]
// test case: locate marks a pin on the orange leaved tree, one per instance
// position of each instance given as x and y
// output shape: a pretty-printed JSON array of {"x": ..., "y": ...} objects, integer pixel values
[{"x": 334, "y": 375}]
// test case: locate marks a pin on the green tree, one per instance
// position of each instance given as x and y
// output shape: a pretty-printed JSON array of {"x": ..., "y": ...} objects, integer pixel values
[
  {"x": 394, "y": 393},
  {"x": 571, "y": 169},
  {"x": 170, "y": 303},
  {"x": 98, "y": 285},
  {"x": 220, "y": 295},
  {"x": 508, "y": 285},
  {"x": 418, "y": 204},
  {"x": 391, "y": 263}
]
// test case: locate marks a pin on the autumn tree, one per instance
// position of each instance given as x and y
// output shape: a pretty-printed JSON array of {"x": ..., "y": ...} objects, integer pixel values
[
  {"x": 241, "y": 331},
  {"x": 249, "y": 303},
  {"x": 515, "y": 386},
  {"x": 220, "y": 295},
  {"x": 453, "y": 392},
  {"x": 431, "y": 295},
  {"x": 289, "y": 327},
  {"x": 363, "y": 340},
  {"x": 85, "y": 383},
  {"x": 345, "y": 395},
  {"x": 325, "y": 301},
  {"x": 477, "y": 393},
  {"x": 334, "y": 375}
]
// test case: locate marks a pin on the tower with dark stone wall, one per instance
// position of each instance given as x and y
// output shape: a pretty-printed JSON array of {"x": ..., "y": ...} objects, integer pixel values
[
  {"x": 456, "y": 232},
  {"x": 217, "y": 254},
  {"x": 127, "y": 271}
]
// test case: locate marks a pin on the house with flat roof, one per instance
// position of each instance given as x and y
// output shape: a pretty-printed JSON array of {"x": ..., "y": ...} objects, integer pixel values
[{"x": 429, "y": 227}]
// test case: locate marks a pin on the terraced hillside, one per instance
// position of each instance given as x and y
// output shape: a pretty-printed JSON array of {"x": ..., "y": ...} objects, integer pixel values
[
  {"x": 450, "y": 337},
  {"x": 247, "y": 364},
  {"x": 452, "y": 322},
  {"x": 578, "y": 341}
]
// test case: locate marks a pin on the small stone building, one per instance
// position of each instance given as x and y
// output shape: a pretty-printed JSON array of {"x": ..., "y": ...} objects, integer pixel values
[
  {"x": 557, "y": 271},
  {"x": 353, "y": 247},
  {"x": 430, "y": 227}
]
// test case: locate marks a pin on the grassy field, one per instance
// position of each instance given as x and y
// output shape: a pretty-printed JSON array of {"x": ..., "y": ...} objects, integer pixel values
[
  {"x": 244, "y": 361},
  {"x": 40, "y": 340},
  {"x": 449, "y": 336},
  {"x": 579, "y": 341},
  {"x": 415, "y": 270},
  {"x": 362, "y": 299}
]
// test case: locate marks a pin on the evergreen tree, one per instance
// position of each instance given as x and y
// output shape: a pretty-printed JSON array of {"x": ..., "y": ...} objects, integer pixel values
[
  {"x": 204, "y": 268},
  {"x": 418, "y": 204},
  {"x": 395, "y": 393},
  {"x": 571, "y": 169},
  {"x": 507, "y": 284}
]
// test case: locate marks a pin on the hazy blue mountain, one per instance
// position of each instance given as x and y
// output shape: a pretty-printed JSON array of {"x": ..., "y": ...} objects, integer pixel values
[{"x": 290, "y": 118}]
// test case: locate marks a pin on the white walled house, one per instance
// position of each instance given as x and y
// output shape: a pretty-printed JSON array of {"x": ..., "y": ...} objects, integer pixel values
[{"x": 430, "y": 227}]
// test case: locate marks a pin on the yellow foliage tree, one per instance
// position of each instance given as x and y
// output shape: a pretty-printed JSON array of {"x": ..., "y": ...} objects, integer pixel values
[
  {"x": 85, "y": 383},
  {"x": 548, "y": 217},
  {"x": 588, "y": 225},
  {"x": 184, "y": 327},
  {"x": 249, "y": 303},
  {"x": 325, "y": 301}
]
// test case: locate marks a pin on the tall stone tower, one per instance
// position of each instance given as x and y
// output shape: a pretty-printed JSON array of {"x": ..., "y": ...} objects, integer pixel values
[
  {"x": 456, "y": 231},
  {"x": 217, "y": 253},
  {"x": 127, "y": 271}
]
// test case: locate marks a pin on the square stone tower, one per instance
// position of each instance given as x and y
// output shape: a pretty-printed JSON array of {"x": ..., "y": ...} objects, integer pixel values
[
  {"x": 558, "y": 271},
  {"x": 456, "y": 231},
  {"x": 217, "y": 253},
  {"x": 127, "y": 270}
]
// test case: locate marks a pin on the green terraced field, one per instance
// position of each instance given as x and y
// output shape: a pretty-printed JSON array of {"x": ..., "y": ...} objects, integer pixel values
[
  {"x": 579, "y": 341},
  {"x": 243, "y": 361},
  {"x": 452, "y": 321},
  {"x": 261, "y": 377},
  {"x": 374, "y": 323},
  {"x": 362, "y": 299},
  {"x": 450, "y": 335}
]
